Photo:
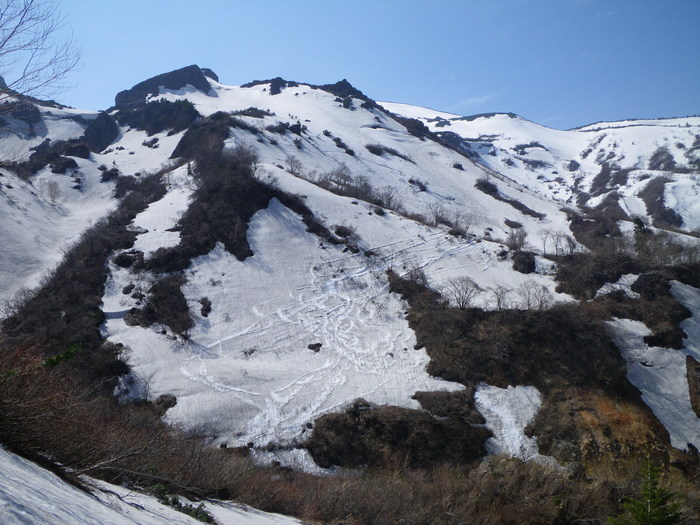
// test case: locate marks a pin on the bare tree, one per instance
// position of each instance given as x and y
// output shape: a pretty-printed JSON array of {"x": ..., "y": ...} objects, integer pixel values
[
  {"x": 294, "y": 166},
  {"x": 534, "y": 296},
  {"x": 54, "y": 191},
  {"x": 501, "y": 297},
  {"x": 391, "y": 198},
  {"x": 516, "y": 239},
  {"x": 438, "y": 213},
  {"x": 544, "y": 235},
  {"x": 462, "y": 291},
  {"x": 36, "y": 52}
]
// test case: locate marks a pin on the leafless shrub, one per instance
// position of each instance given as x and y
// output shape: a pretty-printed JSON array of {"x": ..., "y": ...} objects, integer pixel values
[
  {"x": 534, "y": 296},
  {"x": 516, "y": 239},
  {"x": 501, "y": 297},
  {"x": 294, "y": 166},
  {"x": 438, "y": 213},
  {"x": 36, "y": 53},
  {"x": 462, "y": 291}
]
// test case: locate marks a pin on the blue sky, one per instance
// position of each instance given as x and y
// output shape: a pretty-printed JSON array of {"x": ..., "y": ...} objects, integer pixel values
[{"x": 561, "y": 63}]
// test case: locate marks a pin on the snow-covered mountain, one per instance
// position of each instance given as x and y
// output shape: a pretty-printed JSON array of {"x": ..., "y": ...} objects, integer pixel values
[
  {"x": 643, "y": 168},
  {"x": 284, "y": 313}
]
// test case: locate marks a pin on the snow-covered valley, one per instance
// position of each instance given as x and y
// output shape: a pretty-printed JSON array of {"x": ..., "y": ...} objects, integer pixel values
[{"x": 491, "y": 214}]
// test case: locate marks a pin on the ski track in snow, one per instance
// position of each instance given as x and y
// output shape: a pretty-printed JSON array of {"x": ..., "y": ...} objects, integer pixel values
[{"x": 338, "y": 299}]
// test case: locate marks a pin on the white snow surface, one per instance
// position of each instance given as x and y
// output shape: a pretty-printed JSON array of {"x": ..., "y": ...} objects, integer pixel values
[
  {"x": 660, "y": 373},
  {"x": 624, "y": 283},
  {"x": 31, "y": 495},
  {"x": 507, "y": 412},
  {"x": 246, "y": 373},
  {"x": 512, "y": 146}
]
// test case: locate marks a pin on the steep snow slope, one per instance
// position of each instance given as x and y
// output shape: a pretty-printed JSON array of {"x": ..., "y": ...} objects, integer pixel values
[
  {"x": 596, "y": 160},
  {"x": 246, "y": 373},
  {"x": 30, "y": 495}
]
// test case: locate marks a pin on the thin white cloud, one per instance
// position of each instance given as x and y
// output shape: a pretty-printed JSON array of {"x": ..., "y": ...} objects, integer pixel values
[{"x": 475, "y": 101}]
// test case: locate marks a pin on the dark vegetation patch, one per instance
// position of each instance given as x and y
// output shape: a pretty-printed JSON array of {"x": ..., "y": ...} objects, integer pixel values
[
  {"x": 609, "y": 177},
  {"x": 283, "y": 127},
  {"x": 662, "y": 159},
  {"x": 227, "y": 196},
  {"x": 65, "y": 311},
  {"x": 414, "y": 126},
  {"x": 692, "y": 366},
  {"x": 254, "y": 113},
  {"x": 165, "y": 304},
  {"x": 510, "y": 347},
  {"x": 340, "y": 144},
  {"x": 522, "y": 149},
  {"x": 524, "y": 262},
  {"x": 155, "y": 117},
  {"x": 204, "y": 137},
  {"x": 366, "y": 434},
  {"x": 489, "y": 188},
  {"x": 63, "y": 164},
  {"x": 379, "y": 150},
  {"x": 51, "y": 153},
  {"x": 653, "y": 197},
  {"x": 206, "y": 306},
  {"x": 534, "y": 164}
]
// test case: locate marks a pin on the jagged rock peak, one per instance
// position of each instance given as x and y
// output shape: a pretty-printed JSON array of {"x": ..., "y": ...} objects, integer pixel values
[{"x": 177, "y": 79}]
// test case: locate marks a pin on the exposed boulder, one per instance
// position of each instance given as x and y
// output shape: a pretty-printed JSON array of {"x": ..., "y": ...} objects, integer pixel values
[{"x": 178, "y": 79}]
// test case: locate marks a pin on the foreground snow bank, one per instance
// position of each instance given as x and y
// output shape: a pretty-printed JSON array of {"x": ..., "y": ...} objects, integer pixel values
[{"x": 32, "y": 495}]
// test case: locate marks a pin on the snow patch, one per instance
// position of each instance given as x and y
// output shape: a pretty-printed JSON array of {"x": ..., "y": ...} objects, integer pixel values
[
  {"x": 507, "y": 412},
  {"x": 660, "y": 373}
]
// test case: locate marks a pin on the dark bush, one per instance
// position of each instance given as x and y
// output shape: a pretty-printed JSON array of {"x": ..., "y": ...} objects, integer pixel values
[
  {"x": 63, "y": 164},
  {"x": 155, "y": 117},
  {"x": 524, "y": 262},
  {"x": 379, "y": 150},
  {"x": 376, "y": 435},
  {"x": 486, "y": 186},
  {"x": 165, "y": 304}
]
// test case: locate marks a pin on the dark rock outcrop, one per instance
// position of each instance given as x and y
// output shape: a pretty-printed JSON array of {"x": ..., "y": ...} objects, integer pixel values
[
  {"x": 177, "y": 79},
  {"x": 209, "y": 73},
  {"x": 100, "y": 132}
]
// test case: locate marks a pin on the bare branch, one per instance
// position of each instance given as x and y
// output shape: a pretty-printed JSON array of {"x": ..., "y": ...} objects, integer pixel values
[{"x": 36, "y": 50}]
